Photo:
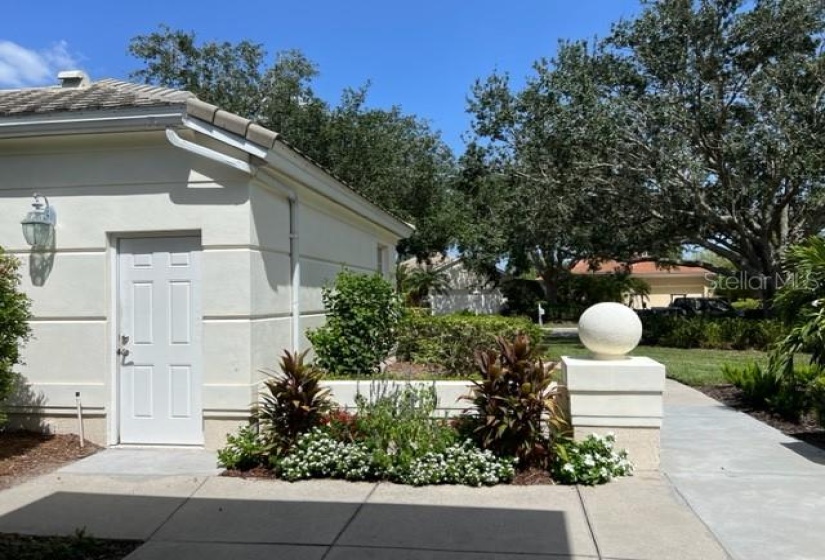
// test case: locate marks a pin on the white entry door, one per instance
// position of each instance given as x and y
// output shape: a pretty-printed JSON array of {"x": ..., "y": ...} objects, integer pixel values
[{"x": 159, "y": 340}]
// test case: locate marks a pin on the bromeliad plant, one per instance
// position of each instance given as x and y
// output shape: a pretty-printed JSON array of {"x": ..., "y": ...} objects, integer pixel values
[
  {"x": 515, "y": 404},
  {"x": 295, "y": 403}
]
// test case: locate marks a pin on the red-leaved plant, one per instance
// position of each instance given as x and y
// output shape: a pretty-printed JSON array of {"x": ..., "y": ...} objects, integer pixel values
[{"x": 515, "y": 404}]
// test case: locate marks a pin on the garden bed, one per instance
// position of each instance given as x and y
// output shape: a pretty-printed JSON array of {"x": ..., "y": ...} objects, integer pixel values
[{"x": 24, "y": 455}]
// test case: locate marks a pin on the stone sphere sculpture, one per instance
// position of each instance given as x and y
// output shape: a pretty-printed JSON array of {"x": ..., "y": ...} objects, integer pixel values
[{"x": 610, "y": 330}]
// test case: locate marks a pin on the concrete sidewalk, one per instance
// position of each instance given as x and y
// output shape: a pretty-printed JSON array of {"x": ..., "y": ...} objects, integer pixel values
[
  {"x": 760, "y": 492},
  {"x": 723, "y": 474},
  {"x": 213, "y": 517}
]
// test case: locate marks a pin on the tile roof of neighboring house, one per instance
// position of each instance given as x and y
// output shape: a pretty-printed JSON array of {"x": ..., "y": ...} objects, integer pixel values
[
  {"x": 116, "y": 94},
  {"x": 437, "y": 262},
  {"x": 103, "y": 94},
  {"x": 639, "y": 269}
]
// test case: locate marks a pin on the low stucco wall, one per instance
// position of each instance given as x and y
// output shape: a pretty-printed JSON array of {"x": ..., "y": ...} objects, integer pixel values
[{"x": 449, "y": 392}]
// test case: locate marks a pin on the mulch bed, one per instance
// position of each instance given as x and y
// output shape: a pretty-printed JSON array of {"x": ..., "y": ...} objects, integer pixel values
[
  {"x": 532, "y": 477},
  {"x": 807, "y": 429},
  {"x": 410, "y": 370},
  {"x": 24, "y": 455},
  {"x": 524, "y": 478},
  {"x": 257, "y": 472}
]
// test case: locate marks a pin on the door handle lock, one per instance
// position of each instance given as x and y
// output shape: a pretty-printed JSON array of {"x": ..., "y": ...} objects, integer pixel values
[{"x": 122, "y": 350}]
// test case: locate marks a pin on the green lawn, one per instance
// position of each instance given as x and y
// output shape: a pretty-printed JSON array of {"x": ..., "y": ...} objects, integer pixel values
[{"x": 693, "y": 367}]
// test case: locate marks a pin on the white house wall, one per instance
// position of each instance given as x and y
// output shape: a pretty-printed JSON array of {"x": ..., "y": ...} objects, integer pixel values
[
  {"x": 104, "y": 187},
  {"x": 271, "y": 277},
  {"x": 125, "y": 185},
  {"x": 332, "y": 239},
  {"x": 664, "y": 288}
]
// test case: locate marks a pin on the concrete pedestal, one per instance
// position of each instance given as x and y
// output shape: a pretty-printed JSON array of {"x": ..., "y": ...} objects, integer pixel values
[{"x": 622, "y": 396}]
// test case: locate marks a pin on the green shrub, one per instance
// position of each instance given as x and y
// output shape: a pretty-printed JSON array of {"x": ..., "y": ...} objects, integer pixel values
[
  {"x": 14, "y": 324},
  {"x": 397, "y": 426},
  {"x": 761, "y": 334},
  {"x": 816, "y": 391},
  {"x": 723, "y": 333},
  {"x": 685, "y": 333},
  {"x": 295, "y": 403},
  {"x": 244, "y": 450},
  {"x": 788, "y": 395},
  {"x": 513, "y": 402},
  {"x": 450, "y": 341},
  {"x": 362, "y": 313},
  {"x": 591, "y": 461},
  {"x": 758, "y": 384},
  {"x": 656, "y": 327}
]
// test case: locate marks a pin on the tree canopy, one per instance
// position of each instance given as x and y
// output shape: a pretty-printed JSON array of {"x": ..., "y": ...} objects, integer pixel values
[
  {"x": 699, "y": 122},
  {"x": 392, "y": 158}
]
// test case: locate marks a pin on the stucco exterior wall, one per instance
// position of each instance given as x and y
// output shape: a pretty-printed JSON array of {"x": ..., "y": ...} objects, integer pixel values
[
  {"x": 332, "y": 239},
  {"x": 105, "y": 187},
  {"x": 109, "y": 186},
  {"x": 664, "y": 288}
]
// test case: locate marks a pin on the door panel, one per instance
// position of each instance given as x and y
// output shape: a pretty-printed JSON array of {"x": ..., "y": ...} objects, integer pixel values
[{"x": 160, "y": 340}]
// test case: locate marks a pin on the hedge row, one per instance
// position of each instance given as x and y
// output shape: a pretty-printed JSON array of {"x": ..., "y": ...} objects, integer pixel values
[
  {"x": 450, "y": 341},
  {"x": 725, "y": 333}
]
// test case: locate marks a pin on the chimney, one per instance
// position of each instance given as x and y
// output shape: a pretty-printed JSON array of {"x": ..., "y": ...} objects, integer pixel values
[{"x": 74, "y": 79}]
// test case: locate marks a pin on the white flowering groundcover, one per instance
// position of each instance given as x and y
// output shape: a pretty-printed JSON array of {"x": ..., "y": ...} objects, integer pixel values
[{"x": 318, "y": 455}]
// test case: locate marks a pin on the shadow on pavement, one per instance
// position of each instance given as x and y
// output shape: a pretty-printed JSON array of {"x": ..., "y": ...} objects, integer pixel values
[
  {"x": 202, "y": 528},
  {"x": 811, "y": 453}
]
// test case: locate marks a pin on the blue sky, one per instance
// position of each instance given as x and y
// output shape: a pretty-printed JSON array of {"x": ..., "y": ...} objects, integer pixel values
[{"x": 422, "y": 55}]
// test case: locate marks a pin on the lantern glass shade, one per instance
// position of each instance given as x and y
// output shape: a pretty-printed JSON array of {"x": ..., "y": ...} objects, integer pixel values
[{"x": 38, "y": 227}]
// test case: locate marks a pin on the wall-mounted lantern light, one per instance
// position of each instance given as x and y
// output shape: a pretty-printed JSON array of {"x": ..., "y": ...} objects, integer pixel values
[{"x": 38, "y": 225}]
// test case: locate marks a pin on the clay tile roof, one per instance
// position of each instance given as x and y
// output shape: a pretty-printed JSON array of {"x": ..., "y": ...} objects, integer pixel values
[
  {"x": 103, "y": 94},
  {"x": 639, "y": 269}
]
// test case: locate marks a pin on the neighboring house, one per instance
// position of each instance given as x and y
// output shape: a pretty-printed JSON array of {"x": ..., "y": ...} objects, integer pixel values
[
  {"x": 466, "y": 290},
  {"x": 190, "y": 249},
  {"x": 665, "y": 283}
]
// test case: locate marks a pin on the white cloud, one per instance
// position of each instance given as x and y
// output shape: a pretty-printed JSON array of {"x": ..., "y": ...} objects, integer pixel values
[{"x": 21, "y": 67}]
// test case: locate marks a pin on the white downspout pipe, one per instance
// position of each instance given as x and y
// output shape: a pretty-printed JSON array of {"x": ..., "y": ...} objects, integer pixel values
[{"x": 294, "y": 212}]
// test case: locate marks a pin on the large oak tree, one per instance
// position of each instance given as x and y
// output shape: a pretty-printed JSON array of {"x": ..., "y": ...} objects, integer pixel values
[{"x": 700, "y": 122}]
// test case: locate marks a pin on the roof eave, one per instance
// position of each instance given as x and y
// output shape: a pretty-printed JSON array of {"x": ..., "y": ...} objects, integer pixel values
[
  {"x": 91, "y": 121},
  {"x": 315, "y": 178},
  {"x": 279, "y": 156}
]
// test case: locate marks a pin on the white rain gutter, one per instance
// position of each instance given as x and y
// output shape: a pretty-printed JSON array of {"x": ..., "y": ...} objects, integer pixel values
[
  {"x": 294, "y": 209},
  {"x": 209, "y": 153}
]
